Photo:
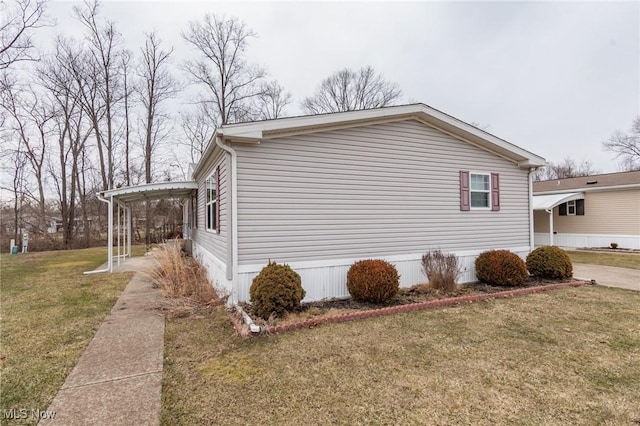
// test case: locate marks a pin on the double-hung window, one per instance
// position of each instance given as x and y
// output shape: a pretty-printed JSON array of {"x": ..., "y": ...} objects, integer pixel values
[
  {"x": 571, "y": 208},
  {"x": 480, "y": 190},
  {"x": 212, "y": 205}
]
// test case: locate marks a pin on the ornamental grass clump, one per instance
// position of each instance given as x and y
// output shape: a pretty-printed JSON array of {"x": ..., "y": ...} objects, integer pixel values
[
  {"x": 442, "y": 270},
  {"x": 276, "y": 290},
  {"x": 550, "y": 262},
  {"x": 501, "y": 268},
  {"x": 181, "y": 276},
  {"x": 372, "y": 280}
]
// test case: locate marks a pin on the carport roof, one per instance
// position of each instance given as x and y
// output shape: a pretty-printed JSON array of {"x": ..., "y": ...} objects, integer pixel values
[
  {"x": 546, "y": 202},
  {"x": 152, "y": 191}
]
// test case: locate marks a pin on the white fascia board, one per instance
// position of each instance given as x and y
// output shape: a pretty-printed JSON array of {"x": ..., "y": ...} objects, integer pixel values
[
  {"x": 524, "y": 158},
  {"x": 208, "y": 151},
  {"x": 256, "y": 131},
  {"x": 600, "y": 188},
  {"x": 336, "y": 118},
  {"x": 158, "y": 186}
]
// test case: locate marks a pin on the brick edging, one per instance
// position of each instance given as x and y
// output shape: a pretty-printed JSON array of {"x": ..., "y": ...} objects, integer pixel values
[{"x": 419, "y": 306}]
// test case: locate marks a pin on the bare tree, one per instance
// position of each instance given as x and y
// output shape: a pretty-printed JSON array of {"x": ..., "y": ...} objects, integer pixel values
[
  {"x": 126, "y": 59},
  {"x": 156, "y": 86},
  {"x": 19, "y": 19},
  {"x": 13, "y": 158},
  {"x": 30, "y": 117},
  {"x": 72, "y": 133},
  {"x": 272, "y": 100},
  {"x": 567, "y": 169},
  {"x": 103, "y": 67},
  {"x": 198, "y": 128},
  {"x": 626, "y": 146},
  {"x": 222, "y": 68},
  {"x": 348, "y": 90}
]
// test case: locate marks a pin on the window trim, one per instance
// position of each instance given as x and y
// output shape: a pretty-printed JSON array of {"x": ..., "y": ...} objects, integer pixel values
[
  {"x": 212, "y": 207},
  {"x": 488, "y": 191},
  {"x": 570, "y": 204}
]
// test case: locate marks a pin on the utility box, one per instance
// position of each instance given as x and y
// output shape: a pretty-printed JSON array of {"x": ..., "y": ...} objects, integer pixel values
[{"x": 25, "y": 242}]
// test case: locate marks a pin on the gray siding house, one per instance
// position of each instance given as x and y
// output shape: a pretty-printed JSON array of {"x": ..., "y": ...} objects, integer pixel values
[{"x": 320, "y": 192}]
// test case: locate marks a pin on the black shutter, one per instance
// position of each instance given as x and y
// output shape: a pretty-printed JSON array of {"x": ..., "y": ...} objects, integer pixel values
[
  {"x": 562, "y": 209},
  {"x": 580, "y": 207}
]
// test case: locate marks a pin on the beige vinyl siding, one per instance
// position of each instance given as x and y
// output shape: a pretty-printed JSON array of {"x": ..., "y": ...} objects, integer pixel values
[
  {"x": 379, "y": 190},
  {"x": 214, "y": 243},
  {"x": 605, "y": 212},
  {"x": 541, "y": 221}
]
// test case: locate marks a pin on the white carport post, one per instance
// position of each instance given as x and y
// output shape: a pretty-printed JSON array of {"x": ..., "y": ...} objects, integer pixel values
[
  {"x": 128, "y": 216},
  {"x": 118, "y": 213},
  {"x": 550, "y": 211},
  {"x": 124, "y": 231},
  {"x": 110, "y": 236}
]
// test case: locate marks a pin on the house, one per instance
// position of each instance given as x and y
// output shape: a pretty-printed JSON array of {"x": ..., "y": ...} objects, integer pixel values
[
  {"x": 590, "y": 211},
  {"x": 320, "y": 192}
]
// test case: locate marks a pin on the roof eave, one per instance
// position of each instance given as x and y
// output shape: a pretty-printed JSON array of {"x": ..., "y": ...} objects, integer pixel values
[{"x": 254, "y": 132}]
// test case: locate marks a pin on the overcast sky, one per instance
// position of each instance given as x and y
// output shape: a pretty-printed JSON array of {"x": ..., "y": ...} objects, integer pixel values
[{"x": 554, "y": 78}]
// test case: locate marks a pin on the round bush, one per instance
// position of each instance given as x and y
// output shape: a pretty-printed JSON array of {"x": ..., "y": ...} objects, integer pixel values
[
  {"x": 501, "y": 267},
  {"x": 277, "y": 289},
  {"x": 372, "y": 280},
  {"x": 550, "y": 262}
]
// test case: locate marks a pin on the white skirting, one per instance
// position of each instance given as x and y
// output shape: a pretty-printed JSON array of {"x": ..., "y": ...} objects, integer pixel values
[
  {"x": 588, "y": 240},
  {"x": 216, "y": 269},
  {"x": 328, "y": 278}
]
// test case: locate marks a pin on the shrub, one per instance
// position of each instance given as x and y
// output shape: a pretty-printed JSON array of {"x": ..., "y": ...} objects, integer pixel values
[
  {"x": 277, "y": 289},
  {"x": 501, "y": 267},
  {"x": 614, "y": 245},
  {"x": 179, "y": 275},
  {"x": 372, "y": 280},
  {"x": 442, "y": 269},
  {"x": 549, "y": 262}
]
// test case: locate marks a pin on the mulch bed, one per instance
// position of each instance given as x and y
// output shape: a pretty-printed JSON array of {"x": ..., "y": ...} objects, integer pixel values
[{"x": 408, "y": 299}]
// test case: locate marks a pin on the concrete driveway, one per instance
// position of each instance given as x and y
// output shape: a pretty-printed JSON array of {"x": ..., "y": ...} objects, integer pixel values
[{"x": 609, "y": 276}]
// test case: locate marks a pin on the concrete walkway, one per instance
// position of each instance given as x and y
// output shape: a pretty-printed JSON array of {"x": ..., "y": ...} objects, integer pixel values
[
  {"x": 609, "y": 276},
  {"x": 118, "y": 379}
]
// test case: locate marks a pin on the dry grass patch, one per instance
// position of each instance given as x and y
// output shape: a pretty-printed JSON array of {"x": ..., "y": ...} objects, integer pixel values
[
  {"x": 50, "y": 312},
  {"x": 620, "y": 260},
  {"x": 183, "y": 281},
  {"x": 568, "y": 356}
]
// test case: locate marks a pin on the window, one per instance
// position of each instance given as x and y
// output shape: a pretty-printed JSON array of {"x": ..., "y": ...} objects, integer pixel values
[
  {"x": 480, "y": 190},
  {"x": 571, "y": 208},
  {"x": 212, "y": 206}
]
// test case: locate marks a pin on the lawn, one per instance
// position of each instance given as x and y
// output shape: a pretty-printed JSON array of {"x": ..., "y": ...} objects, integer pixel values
[
  {"x": 606, "y": 259},
  {"x": 49, "y": 313},
  {"x": 568, "y": 356}
]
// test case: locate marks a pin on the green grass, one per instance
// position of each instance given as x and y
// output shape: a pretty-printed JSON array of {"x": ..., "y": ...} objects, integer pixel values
[
  {"x": 50, "y": 311},
  {"x": 568, "y": 356},
  {"x": 606, "y": 259}
]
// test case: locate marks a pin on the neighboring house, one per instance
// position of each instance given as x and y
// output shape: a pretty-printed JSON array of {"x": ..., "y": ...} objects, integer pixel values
[
  {"x": 320, "y": 192},
  {"x": 590, "y": 211}
]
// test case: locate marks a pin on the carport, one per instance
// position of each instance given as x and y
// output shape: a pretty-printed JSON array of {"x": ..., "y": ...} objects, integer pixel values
[
  {"x": 120, "y": 200},
  {"x": 548, "y": 202}
]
